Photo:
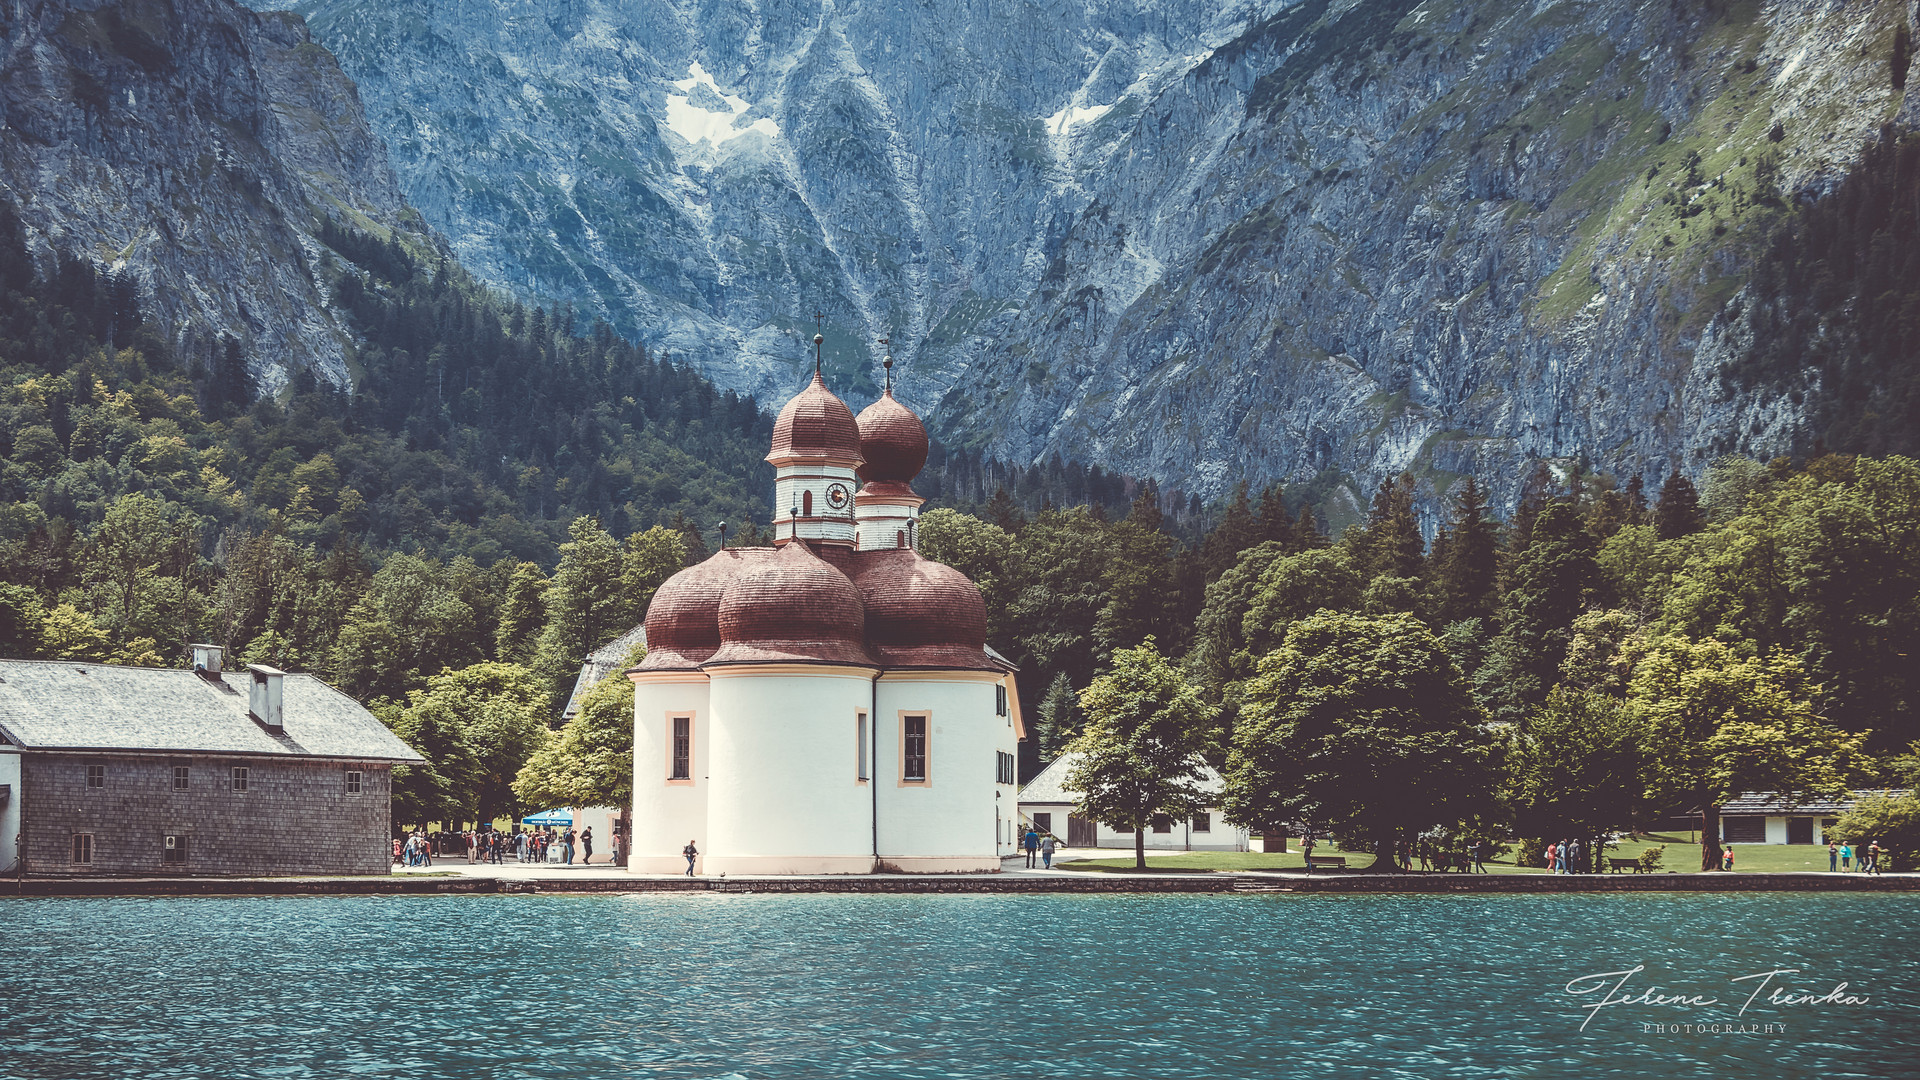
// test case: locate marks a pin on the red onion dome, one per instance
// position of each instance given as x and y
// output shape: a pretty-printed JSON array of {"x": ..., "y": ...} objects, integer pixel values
[
  {"x": 793, "y": 608},
  {"x": 816, "y": 424},
  {"x": 921, "y": 613},
  {"x": 893, "y": 440},
  {"x": 683, "y": 619}
]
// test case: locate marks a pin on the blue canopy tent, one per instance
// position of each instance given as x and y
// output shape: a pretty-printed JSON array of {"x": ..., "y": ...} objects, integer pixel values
[{"x": 557, "y": 819}]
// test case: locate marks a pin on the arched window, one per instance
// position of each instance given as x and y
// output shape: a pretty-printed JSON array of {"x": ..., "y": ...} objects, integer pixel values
[
  {"x": 806, "y": 504},
  {"x": 900, "y": 538}
]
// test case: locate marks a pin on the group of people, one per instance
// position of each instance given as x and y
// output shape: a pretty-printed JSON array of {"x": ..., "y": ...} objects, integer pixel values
[
  {"x": 1842, "y": 857},
  {"x": 1466, "y": 856},
  {"x": 1569, "y": 857},
  {"x": 1036, "y": 845},
  {"x": 493, "y": 846}
]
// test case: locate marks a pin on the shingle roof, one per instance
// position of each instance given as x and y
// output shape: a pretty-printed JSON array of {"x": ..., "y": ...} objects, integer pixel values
[
  {"x": 1773, "y": 802},
  {"x": 63, "y": 705},
  {"x": 601, "y": 663},
  {"x": 1051, "y": 785}
]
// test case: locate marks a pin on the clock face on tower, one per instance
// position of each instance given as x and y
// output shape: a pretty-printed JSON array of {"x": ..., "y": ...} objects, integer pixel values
[{"x": 837, "y": 496}]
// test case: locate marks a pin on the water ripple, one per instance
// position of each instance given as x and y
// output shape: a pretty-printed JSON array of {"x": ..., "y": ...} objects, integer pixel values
[{"x": 679, "y": 987}]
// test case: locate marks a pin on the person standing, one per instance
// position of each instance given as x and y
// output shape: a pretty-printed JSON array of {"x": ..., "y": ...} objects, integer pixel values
[
  {"x": 1574, "y": 865},
  {"x": 1046, "y": 852},
  {"x": 1873, "y": 857},
  {"x": 1833, "y": 856},
  {"x": 566, "y": 845},
  {"x": 586, "y": 846},
  {"x": 691, "y": 853},
  {"x": 1031, "y": 842},
  {"x": 1306, "y": 852},
  {"x": 1846, "y": 858},
  {"x": 1726, "y": 859}
]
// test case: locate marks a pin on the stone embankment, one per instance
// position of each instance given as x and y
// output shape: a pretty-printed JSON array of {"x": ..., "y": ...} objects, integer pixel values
[{"x": 420, "y": 885}]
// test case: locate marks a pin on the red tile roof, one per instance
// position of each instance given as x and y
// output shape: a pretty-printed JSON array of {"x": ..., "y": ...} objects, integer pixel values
[
  {"x": 794, "y": 607},
  {"x": 816, "y": 424},
  {"x": 893, "y": 440}
]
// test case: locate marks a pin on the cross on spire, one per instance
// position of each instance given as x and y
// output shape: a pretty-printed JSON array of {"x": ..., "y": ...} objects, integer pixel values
[
  {"x": 819, "y": 339},
  {"x": 887, "y": 363}
]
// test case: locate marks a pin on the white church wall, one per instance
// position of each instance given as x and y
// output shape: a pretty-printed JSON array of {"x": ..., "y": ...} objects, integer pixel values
[
  {"x": 667, "y": 813},
  {"x": 950, "y": 822},
  {"x": 783, "y": 797}
]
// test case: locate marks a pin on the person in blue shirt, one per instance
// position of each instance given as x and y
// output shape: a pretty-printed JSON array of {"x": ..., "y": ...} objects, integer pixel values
[{"x": 1032, "y": 843}]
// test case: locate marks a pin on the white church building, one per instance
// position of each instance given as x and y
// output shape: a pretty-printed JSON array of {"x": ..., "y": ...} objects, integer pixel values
[{"x": 826, "y": 705}]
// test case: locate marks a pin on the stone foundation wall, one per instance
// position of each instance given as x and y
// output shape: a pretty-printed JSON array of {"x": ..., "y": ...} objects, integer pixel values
[{"x": 295, "y": 816}]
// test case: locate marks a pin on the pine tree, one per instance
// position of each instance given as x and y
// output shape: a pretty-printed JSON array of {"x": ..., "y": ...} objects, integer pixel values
[
  {"x": 1390, "y": 545},
  {"x": 1002, "y": 511},
  {"x": 1057, "y": 720},
  {"x": 1306, "y": 532},
  {"x": 1145, "y": 511},
  {"x": 1677, "y": 514},
  {"x": 1275, "y": 523},
  {"x": 522, "y": 614},
  {"x": 1236, "y": 532},
  {"x": 1470, "y": 574}
]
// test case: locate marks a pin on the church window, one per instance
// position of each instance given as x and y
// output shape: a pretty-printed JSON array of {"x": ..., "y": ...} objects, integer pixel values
[
  {"x": 899, "y": 538},
  {"x": 1000, "y": 701},
  {"x": 1005, "y": 775},
  {"x": 860, "y": 743},
  {"x": 913, "y": 749},
  {"x": 806, "y": 504},
  {"x": 681, "y": 752}
]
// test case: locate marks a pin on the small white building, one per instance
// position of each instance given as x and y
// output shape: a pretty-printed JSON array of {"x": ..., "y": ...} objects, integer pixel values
[
  {"x": 1769, "y": 817},
  {"x": 1047, "y": 805}
]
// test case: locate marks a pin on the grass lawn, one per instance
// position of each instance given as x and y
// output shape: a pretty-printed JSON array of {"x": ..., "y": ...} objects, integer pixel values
[{"x": 1682, "y": 854}]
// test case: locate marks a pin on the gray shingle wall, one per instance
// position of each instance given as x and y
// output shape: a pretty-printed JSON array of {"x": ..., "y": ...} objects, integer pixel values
[{"x": 294, "y": 818}]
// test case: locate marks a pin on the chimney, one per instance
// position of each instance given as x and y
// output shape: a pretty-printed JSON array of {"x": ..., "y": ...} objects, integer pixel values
[
  {"x": 206, "y": 659},
  {"x": 263, "y": 697}
]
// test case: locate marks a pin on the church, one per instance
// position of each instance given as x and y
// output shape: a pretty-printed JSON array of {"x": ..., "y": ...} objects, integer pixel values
[{"x": 826, "y": 705}]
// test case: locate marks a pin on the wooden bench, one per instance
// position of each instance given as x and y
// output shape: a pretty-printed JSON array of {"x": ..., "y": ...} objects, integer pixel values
[
  {"x": 1617, "y": 865},
  {"x": 1330, "y": 862}
]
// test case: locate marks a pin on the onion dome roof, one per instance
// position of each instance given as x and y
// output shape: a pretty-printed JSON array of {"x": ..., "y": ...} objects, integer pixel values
[
  {"x": 683, "y": 619},
  {"x": 893, "y": 440},
  {"x": 922, "y": 614},
  {"x": 816, "y": 424},
  {"x": 793, "y": 608}
]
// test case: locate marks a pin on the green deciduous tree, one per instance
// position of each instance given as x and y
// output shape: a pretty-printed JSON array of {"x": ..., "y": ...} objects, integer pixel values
[
  {"x": 1719, "y": 723},
  {"x": 1361, "y": 725},
  {"x": 591, "y": 762},
  {"x": 501, "y": 710},
  {"x": 1139, "y": 748},
  {"x": 1892, "y": 820},
  {"x": 1575, "y": 769},
  {"x": 523, "y": 614}
]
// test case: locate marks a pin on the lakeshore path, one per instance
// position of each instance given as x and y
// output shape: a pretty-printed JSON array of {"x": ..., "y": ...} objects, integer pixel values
[{"x": 456, "y": 876}]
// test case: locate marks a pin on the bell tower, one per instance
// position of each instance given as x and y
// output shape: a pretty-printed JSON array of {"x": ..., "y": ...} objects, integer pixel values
[{"x": 815, "y": 455}]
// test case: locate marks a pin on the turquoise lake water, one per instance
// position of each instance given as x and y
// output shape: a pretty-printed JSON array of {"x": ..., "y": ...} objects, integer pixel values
[{"x": 703, "y": 985}]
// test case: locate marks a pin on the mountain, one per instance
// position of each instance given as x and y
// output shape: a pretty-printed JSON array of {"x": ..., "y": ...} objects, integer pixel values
[
  {"x": 1194, "y": 241},
  {"x": 196, "y": 148}
]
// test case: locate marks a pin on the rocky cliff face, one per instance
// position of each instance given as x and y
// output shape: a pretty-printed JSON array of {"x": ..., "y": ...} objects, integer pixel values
[
  {"x": 1187, "y": 240},
  {"x": 708, "y": 176},
  {"x": 195, "y": 145}
]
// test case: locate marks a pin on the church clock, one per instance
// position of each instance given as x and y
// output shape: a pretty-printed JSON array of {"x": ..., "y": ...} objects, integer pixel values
[{"x": 838, "y": 496}]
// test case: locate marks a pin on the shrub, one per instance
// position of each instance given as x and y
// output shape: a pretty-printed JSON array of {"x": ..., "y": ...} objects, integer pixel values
[{"x": 1893, "y": 821}]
